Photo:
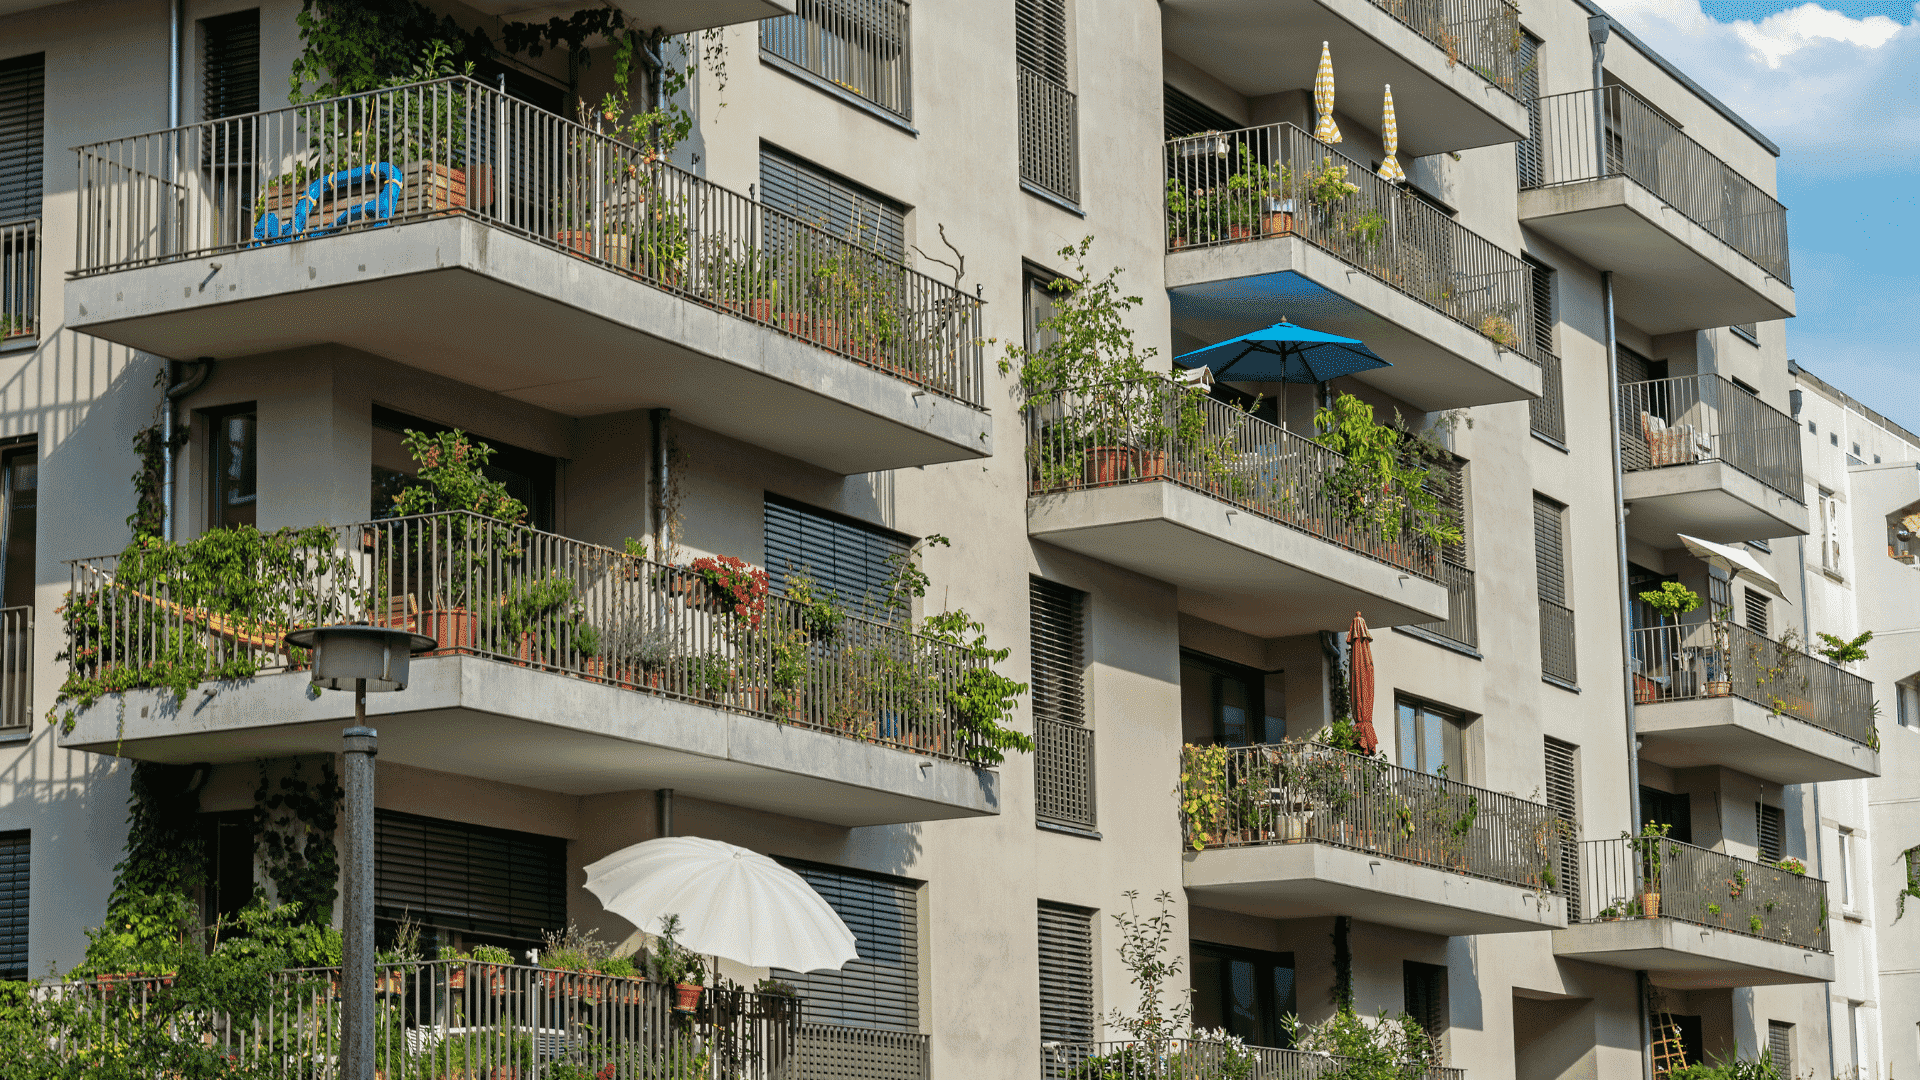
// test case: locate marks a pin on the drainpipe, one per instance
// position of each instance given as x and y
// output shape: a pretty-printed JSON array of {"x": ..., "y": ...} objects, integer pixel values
[
  {"x": 177, "y": 388},
  {"x": 1599, "y": 28},
  {"x": 666, "y": 811},
  {"x": 176, "y": 14},
  {"x": 660, "y": 478}
]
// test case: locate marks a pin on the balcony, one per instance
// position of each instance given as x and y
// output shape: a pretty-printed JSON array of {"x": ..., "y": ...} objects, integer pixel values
[
  {"x": 1247, "y": 519},
  {"x": 1259, "y": 229},
  {"x": 457, "y": 230},
  {"x": 1298, "y": 830},
  {"x": 1452, "y": 63},
  {"x": 1209, "y": 1059},
  {"x": 1705, "y": 458},
  {"x": 561, "y": 666},
  {"x": 1695, "y": 919},
  {"x": 1692, "y": 243},
  {"x": 1723, "y": 695},
  {"x": 19, "y": 281}
]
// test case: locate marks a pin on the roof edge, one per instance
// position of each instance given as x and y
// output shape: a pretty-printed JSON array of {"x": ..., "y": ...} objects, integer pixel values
[{"x": 1680, "y": 76}]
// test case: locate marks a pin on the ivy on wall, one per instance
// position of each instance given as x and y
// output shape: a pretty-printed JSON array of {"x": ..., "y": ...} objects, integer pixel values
[
  {"x": 1913, "y": 884},
  {"x": 294, "y": 828},
  {"x": 151, "y": 912}
]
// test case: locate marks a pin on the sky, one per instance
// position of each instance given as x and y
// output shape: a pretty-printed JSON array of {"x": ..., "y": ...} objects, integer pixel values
[{"x": 1836, "y": 84}]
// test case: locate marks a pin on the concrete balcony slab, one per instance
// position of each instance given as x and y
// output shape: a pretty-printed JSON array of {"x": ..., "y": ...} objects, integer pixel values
[
  {"x": 519, "y": 725},
  {"x": 1711, "y": 500},
  {"x": 1439, "y": 363},
  {"x": 1739, "y": 734},
  {"x": 1302, "y": 880},
  {"x": 1686, "y": 956},
  {"x": 1232, "y": 566},
  {"x": 495, "y": 310},
  {"x": 1670, "y": 274},
  {"x": 1262, "y": 47}
]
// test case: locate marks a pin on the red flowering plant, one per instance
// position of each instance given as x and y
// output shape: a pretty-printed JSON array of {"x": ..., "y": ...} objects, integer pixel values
[{"x": 733, "y": 586}]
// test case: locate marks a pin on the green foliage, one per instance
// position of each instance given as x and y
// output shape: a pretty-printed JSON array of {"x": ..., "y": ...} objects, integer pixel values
[
  {"x": 985, "y": 699},
  {"x": 294, "y": 828},
  {"x": 1383, "y": 1048},
  {"x": 1383, "y": 481},
  {"x": 674, "y": 962},
  {"x": 1730, "y": 1068},
  {"x": 1913, "y": 884},
  {"x": 149, "y": 505},
  {"x": 1840, "y": 651},
  {"x": 1203, "y": 793},
  {"x": 453, "y": 477},
  {"x": 352, "y": 46},
  {"x": 1672, "y": 599},
  {"x": 1086, "y": 341},
  {"x": 1154, "y": 970}
]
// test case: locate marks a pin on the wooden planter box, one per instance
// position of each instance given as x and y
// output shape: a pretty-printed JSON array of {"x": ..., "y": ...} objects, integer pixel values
[{"x": 615, "y": 248}]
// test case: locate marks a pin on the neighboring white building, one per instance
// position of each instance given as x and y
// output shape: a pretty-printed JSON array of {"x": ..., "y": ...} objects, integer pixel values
[{"x": 784, "y": 347}]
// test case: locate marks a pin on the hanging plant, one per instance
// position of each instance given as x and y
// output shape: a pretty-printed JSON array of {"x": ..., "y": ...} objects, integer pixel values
[{"x": 735, "y": 587}]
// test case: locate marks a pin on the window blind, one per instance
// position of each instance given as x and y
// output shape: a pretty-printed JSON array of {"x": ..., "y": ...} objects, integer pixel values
[
  {"x": 1549, "y": 549},
  {"x": 1188, "y": 115},
  {"x": 1563, "y": 799},
  {"x": 1770, "y": 824},
  {"x": 1540, "y": 278},
  {"x": 1040, "y": 37},
  {"x": 1426, "y": 996},
  {"x": 468, "y": 877},
  {"x": 1756, "y": 612},
  {"x": 1448, "y": 481},
  {"x": 230, "y": 76},
  {"x": 1066, "y": 974},
  {"x": 1780, "y": 1046},
  {"x": 1059, "y": 662},
  {"x": 846, "y": 557},
  {"x": 833, "y": 203},
  {"x": 15, "y": 847},
  {"x": 1527, "y": 151},
  {"x": 880, "y": 988},
  {"x": 23, "y": 98}
]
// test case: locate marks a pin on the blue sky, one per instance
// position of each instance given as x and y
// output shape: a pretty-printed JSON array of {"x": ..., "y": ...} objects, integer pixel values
[{"x": 1836, "y": 83}]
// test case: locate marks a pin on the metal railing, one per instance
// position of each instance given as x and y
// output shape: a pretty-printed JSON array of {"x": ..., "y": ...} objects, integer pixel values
[
  {"x": 456, "y": 148},
  {"x": 833, "y": 1052},
  {"x": 1725, "y": 659},
  {"x": 1155, "y": 430},
  {"x": 1208, "y": 1059},
  {"x": 16, "y": 668},
  {"x": 1596, "y": 134},
  {"x": 1694, "y": 418},
  {"x": 1482, "y": 34},
  {"x": 441, "y": 1018},
  {"x": 514, "y": 594},
  {"x": 1277, "y": 180},
  {"x": 1547, "y": 414},
  {"x": 19, "y": 279},
  {"x": 1646, "y": 878},
  {"x": 1462, "y": 624},
  {"x": 861, "y": 46},
  {"x": 1063, "y": 774},
  {"x": 1049, "y": 135},
  {"x": 1556, "y": 642},
  {"x": 1307, "y": 793}
]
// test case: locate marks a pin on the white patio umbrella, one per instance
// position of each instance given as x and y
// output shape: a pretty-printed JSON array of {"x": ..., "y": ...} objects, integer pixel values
[
  {"x": 1731, "y": 559},
  {"x": 732, "y": 902},
  {"x": 1390, "y": 141},
  {"x": 1326, "y": 130}
]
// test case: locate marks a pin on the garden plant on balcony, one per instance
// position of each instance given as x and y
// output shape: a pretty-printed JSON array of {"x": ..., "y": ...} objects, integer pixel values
[{"x": 1383, "y": 481}]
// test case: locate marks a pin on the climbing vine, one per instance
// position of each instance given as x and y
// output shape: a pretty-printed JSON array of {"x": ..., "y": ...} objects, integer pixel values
[
  {"x": 1913, "y": 884},
  {"x": 150, "y": 913},
  {"x": 1343, "y": 964},
  {"x": 293, "y": 828}
]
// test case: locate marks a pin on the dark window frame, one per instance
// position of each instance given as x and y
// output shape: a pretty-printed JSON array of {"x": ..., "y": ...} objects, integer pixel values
[
  {"x": 1266, "y": 1028},
  {"x": 16, "y": 903},
  {"x": 219, "y": 476}
]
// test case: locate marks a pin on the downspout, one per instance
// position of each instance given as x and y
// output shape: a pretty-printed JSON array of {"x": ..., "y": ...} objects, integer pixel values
[
  {"x": 177, "y": 388},
  {"x": 176, "y": 13}
]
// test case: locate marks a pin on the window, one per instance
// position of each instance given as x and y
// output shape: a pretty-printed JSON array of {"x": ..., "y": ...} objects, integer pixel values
[
  {"x": 1756, "y": 612},
  {"x": 1908, "y": 696},
  {"x": 226, "y": 838},
  {"x": 1550, "y": 569},
  {"x": 1563, "y": 799},
  {"x": 1426, "y": 997},
  {"x": 1780, "y": 1046},
  {"x": 1833, "y": 438},
  {"x": 1066, "y": 978},
  {"x": 230, "y": 74},
  {"x": 529, "y": 476},
  {"x": 20, "y": 473},
  {"x": 234, "y": 467},
  {"x": 1430, "y": 739},
  {"x": 1049, "y": 110},
  {"x": 833, "y": 203},
  {"x": 1188, "y": 115},
  {"x": 1041, "y": 305},
  {"x": 1770, "y": 826},
  {"x": 1548, "y": 412},
  {"x": 1063, "y": 746},
  {"x": 1226, "y": 704},
  {"x": 1846, "y": 868},
  {"x": 482, "y": 884},
  {"x": 1749, "y": 331},
  {"x": 14, "y": 859},
  {"x": 1244, "y": 991},
  {"x": 1673, "y": 809},
  {"x": 1813, "y": 428},
  {"x": 1527, "y": 153},
  {"x": 861, "y": 46},
  {"x": 1856, "y": 1042},
  {"x": 23, "y": 93},
  {"x": 880, "y": 988},
  {"x": 849, "y": 558}
]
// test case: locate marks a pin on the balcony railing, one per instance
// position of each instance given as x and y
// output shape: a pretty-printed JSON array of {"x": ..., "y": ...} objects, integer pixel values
[
  {"x": 443, "y": 1018},
  {"x": 1646, "y": 878},
  {"x": 1695, "y": 418},
  {"x": 1063, "y": 774},
  {"x": 530, "y": 598},
  {"x": 1209, "y": 1059},
  {"x": 1637, "y": 142},
  {"x": 1547, "y": 414},
  {"x": 1256, "y": 183},
  {"x": 1155, "y": 430},
  {"x": 1049, "y": 135},
  {"x": 454, "y": 147},
  {"x": 1305, "y": 793},
  {"x": 16, "y": 669},
  {"x": 860, "y": 46},
  {"x": 1725, "y": 659},
  {"x": 1557, "y": 658},
  {"x": 833, "y": 1052},
  {"x": 1484, "y": 35},
  {"x": 19, "y": 280},
  {"x": 1462, "y": 624}
]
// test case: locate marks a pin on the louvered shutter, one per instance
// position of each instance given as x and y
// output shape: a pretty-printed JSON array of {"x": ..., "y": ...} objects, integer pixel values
[
  {"x": 1066, "y": 978},
  {"x": 1780, "y": 1047},
  {"x": 1447, "y": 479},
  {"x": 845, "y": 557},
  {"x": 1540, "y": 277},
  {"x": 14, "y": 851},
  {"x": 1563, "y": 799},
  {"x": 1527, "y": 152},
  {"x": 881, "y": 987},
  {"x": 1426, "y": 996},
  {"x": 23, "y": 89},
  {"x": 1756, "y": 612},
  {"x": 1059, "y": 662},
  {"x": 230, "y": 83},
  {"x": 1770, "y": 823},
  {"x": 1187, "y": 115},
  {"x": 470, "y": 878},
  {"x": 833, "y": 203},
  {"x": 1549, "y": 549},
  {"x": 1040, "y": 37}
]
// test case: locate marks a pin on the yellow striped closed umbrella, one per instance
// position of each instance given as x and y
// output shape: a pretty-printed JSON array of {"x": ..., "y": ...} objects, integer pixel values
[
  {"x": 1390, "y": 137},
  {"x": 1326, "y": 130}
]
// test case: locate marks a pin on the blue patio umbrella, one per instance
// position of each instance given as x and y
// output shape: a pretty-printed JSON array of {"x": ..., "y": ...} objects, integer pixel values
[{"x": 1284, "y": 353}]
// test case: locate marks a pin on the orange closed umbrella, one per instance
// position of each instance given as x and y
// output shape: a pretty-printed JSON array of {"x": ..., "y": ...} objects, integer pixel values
[{"x": 1360, "y": 665}]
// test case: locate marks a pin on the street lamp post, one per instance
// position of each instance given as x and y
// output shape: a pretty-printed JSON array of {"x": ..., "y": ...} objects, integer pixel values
[{"x": 360, "y": 658}]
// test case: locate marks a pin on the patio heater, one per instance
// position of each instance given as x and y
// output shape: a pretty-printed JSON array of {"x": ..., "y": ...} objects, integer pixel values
[{"x": 360, "y": 658}]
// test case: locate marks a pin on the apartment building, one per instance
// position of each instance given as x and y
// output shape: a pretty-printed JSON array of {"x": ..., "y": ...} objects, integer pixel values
[{"x": 783, "y": 345}]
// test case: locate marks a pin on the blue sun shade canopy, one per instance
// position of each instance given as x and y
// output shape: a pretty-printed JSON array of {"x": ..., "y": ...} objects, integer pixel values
[{"x": 1284, "y": 352}]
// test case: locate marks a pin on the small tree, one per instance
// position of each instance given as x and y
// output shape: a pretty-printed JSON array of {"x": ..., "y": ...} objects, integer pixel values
[
  {"x": 1671, "y": 600},
  {"x": 1839, "y": 651},
  {"x": 1164, "y": 1011}
]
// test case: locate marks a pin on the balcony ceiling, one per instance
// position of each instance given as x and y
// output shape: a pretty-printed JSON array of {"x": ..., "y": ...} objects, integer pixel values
[
  {"x": 504, "y": 722},
  {"x": 1710, "y": 500},
  {"x": 1261, "y": 47},
  {"x": 672, "y": 16},
  {"x": 1684, "y": 956},
  {"x": 1740, "y": 734}
]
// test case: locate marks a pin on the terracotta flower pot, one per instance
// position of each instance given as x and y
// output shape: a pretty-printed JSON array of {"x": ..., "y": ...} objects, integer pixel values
[
  {"x": 457, "y": 977},
  {"x": 686, "y": 996},
  {"x": 1277, "y": 223},
  {"x": 1719, "y": 688},
  {"x": 1107, "y": 464},
  {"x": 1650, "y": 905},
  {"x": 615, "y": 248}
]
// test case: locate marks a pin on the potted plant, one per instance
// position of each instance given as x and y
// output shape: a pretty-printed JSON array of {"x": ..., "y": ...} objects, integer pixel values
[
  {"x": 1670, "y": 601},
  {"x": 1647, "y": 846},
  {"x": 489, "y": 960},
  {"x": 679, "y": 967},
  {"x": 1501, "y": 330}
]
